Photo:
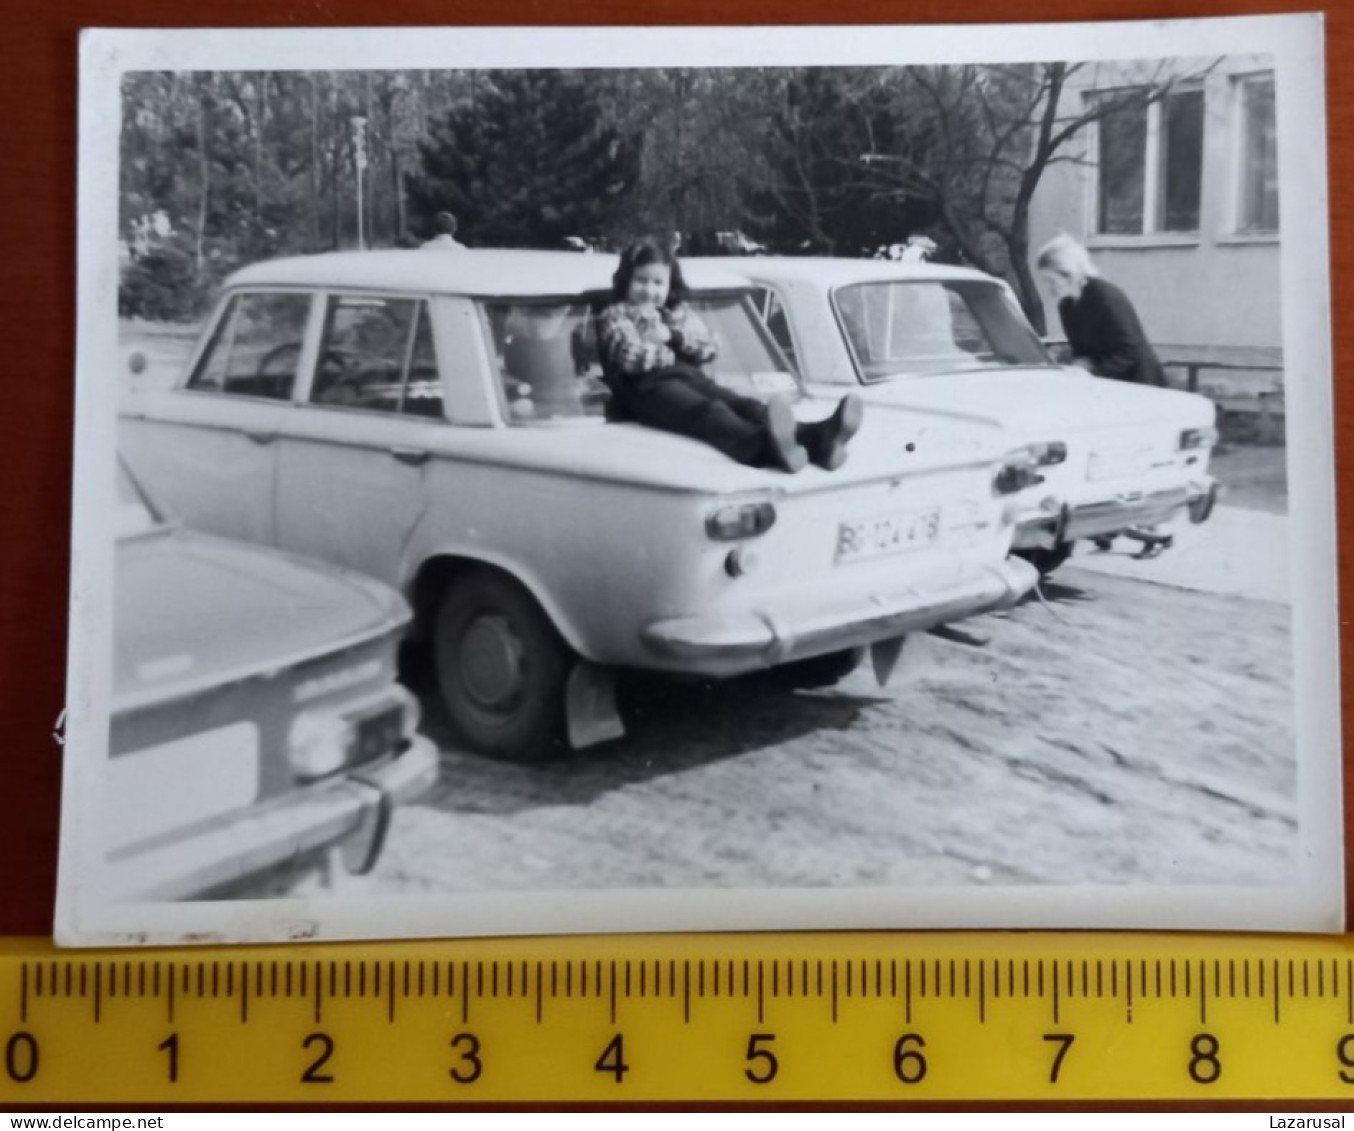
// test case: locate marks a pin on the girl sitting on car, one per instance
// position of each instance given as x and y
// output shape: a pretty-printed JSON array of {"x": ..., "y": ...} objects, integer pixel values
[{"x": 652, "y": 348}]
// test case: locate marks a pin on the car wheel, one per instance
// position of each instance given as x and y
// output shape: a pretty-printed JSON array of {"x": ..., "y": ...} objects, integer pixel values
[
  {"x": 820, "y": 671},
  {"x": 501, "y": 668},
  {"x": 1046, "y": 560}
]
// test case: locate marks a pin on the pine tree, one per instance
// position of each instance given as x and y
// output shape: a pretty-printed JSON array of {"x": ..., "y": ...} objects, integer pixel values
[{"x": 525, "y": 161}]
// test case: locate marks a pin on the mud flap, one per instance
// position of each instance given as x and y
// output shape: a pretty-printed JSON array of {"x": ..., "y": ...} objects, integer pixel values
[
  {"x": 361, "y": 849},
  {"x": 884, "y": 657},
  {"x": 590, "y": 706},
  {"x": 960, "y": 636},
  {"x": 1201, "y": 509}
]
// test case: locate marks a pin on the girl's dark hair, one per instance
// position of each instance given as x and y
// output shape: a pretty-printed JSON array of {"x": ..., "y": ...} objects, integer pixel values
[{"x": 641, "y": 253}]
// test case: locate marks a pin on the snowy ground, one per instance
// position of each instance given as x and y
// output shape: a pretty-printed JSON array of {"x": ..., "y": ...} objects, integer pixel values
[{"x": 1126, "y": 733}]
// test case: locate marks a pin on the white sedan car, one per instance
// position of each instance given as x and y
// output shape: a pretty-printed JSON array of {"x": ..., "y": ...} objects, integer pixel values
[
  {"x": 437, "y": 422},
  {"x": 1112, "y": 455}
]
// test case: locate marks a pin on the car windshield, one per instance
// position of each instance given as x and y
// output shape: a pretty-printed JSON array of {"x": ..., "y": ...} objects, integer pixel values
[
  {"x": 933, "y": 326},
  {"x": 134, "y": 513},
  {"x": 549, "y": 370}
]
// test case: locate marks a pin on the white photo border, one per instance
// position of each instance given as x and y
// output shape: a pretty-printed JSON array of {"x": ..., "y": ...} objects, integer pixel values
[{"x": 1314, "y": 902}]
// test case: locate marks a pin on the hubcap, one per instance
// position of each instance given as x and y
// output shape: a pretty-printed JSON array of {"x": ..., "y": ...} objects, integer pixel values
[{"x": 492, "y": 662}]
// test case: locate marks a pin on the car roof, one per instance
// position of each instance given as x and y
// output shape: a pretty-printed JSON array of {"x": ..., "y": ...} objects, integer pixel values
[
  {"x": 833, "y": 272},
  {"x": 468, "y": 271}
]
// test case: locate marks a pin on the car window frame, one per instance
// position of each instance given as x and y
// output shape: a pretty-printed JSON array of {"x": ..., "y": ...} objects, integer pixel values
[{"x": 214, "y": 324}]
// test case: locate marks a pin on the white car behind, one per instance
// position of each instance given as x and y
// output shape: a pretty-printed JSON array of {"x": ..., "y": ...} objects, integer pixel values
[{"x": 953, "y": 341}]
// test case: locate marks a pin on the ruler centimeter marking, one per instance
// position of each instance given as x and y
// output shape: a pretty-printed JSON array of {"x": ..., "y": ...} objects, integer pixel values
[{"x": 685, "y": 1017}]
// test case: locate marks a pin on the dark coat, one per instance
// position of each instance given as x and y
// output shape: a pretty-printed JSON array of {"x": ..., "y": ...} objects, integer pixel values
[{"x": 1102, "y": 326}]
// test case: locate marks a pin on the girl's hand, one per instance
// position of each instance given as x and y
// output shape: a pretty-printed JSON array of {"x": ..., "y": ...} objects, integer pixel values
[{"x": 657, "y": 330}]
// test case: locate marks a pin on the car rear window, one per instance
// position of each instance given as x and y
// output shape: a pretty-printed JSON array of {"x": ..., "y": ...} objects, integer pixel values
[
  {"x": 549, "y": 369},
  {"x": 896, "y": 328}
]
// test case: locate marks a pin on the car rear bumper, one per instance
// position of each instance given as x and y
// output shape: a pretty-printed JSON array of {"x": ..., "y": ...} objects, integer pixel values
[
  {"x": 1109, "y": 516},
  {"x": 732, "y": 645},
  {"x": 352, "y": 809}
]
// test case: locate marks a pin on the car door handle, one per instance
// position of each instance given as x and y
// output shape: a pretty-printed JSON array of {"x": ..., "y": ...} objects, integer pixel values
[
  {"x": 261, "y": 437},
  {"x": 414, "y": 457}
]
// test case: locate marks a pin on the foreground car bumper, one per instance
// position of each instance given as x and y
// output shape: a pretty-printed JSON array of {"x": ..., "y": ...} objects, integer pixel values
[
  {"x": 733, "y": 645},
  {"x": 353, "y": 809},
  {"x": 1109, "y": 516}
]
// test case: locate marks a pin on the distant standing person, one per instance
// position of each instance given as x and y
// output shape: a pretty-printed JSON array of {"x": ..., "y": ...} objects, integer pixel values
[
  {"x": 1100, "y": 323},
  {"x": 445, "y": 240},
  {"x": 1106, "y": 337}
]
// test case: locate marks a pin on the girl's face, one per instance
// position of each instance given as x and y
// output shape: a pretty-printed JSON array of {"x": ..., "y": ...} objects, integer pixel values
[
  {"x": 649, "y": 285},
  {"x": 1061, "y": 283}
]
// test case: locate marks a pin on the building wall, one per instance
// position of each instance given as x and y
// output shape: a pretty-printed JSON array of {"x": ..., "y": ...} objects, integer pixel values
[{"x": 1210, "y": 288}]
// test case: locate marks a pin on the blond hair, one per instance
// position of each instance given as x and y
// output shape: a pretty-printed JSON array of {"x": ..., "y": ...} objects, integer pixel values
[{"x": 1063, "y": 253}]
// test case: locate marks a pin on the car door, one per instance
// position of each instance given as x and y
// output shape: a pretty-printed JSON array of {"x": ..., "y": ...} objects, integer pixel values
[
  {"x": 208, "y": 450},
  {"x": 353, "y": 459}
]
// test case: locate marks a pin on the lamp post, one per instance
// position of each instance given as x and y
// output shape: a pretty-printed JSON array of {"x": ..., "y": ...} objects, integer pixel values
[{"x": 359, "y": 125}]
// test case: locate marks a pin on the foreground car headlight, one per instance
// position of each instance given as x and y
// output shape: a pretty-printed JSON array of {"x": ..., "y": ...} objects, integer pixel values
[
  {"x": 1192, "y": 439},
  {"x": 1017, "y": 471},
  {"x": 317, "y": 744},
  {"x": 742, "y": 520}
]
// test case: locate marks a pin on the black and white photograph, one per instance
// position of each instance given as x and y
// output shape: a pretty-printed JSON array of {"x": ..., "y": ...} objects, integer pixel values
[{"x": 571, "y": 480}]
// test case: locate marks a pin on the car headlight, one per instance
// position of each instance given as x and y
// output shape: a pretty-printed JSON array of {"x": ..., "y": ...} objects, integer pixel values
[
  {"x": 1192, "y": 439},
  {"x": 741, "y": 520},
  {"x": 317, "y": 744}
]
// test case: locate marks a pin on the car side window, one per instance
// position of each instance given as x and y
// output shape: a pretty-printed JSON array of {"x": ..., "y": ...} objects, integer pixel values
[
  {"x": 256, "y": 347},
  {"x": 376, "y": 353}
]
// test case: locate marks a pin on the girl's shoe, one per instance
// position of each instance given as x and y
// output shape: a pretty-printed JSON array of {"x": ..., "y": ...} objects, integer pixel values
[
  {"x": 785, "y": 450},
  {"x": 828, "y": 438}
]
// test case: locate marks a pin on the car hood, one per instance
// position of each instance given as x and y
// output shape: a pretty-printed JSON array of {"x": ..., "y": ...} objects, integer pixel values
[
  {"x": 192, "y": 611},
  {"x": 892, "y": 441},
  {"x": 1044, "y": 403}
]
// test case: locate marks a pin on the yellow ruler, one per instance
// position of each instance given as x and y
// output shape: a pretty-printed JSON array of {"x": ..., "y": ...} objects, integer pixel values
[{"x": 754, "y": 1018}]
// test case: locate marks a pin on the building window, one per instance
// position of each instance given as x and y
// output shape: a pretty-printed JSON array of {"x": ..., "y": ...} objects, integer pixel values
[
  {"x": 1149, "y": 163},
  {"x": 1258, "y": 169}
]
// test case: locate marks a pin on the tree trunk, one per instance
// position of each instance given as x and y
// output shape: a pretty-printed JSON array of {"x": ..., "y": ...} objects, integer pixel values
[
  {"x": 204, "y": 185},
  {"x": 314, "y": 163}
]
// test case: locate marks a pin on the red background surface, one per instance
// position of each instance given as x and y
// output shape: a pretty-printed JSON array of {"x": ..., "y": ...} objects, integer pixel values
[{"x": 37, "y": 309}]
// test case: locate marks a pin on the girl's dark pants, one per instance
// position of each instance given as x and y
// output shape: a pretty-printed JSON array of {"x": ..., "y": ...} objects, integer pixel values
[{"x": 681, "y": 399}]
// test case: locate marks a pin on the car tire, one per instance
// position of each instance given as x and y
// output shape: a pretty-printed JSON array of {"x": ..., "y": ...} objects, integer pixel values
[
  {"x": 501, "y": 668},
  {"x": 820, "y": 671},
  {"x": 1046, "y": 560}
]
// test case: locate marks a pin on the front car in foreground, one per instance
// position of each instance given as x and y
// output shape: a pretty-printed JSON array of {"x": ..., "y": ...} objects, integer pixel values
[
  {"x": 255, "y": 714},
  {"x": 439, "y": 422},
  {"x": 1111, "y": 455}
]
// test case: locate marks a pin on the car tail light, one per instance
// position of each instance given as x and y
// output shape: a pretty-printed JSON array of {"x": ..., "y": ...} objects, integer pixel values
[
  {"x": 1192, "y": 439},
  {"x": 741, "y": 520},
  {"x": 1016, "y": 471},
  {"x": 1049, "y": 454}
]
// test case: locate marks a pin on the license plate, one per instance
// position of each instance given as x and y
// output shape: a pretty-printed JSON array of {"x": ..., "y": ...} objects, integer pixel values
[
  {"x": 378, "y": 734},
  {"x": 1119, "y": 463},
  {"x": 886, "y": 534}
]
